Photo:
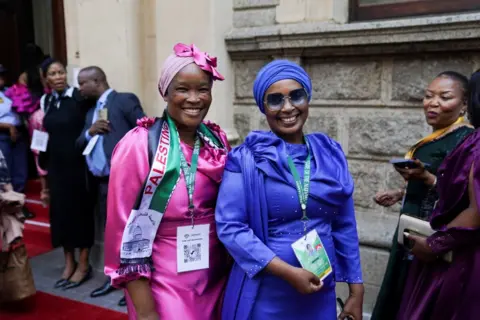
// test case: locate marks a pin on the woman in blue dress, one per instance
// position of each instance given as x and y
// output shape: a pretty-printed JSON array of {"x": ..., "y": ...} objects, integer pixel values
[{"x": 261, "y": 210}]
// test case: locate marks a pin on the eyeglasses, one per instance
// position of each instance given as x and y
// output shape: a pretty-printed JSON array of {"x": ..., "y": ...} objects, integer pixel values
[{"x": 276, "y": 101}]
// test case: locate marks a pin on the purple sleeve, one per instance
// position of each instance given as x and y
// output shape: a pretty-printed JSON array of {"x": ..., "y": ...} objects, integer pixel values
[
  {"x": 233, "y": 228},
  {"x": 347, "y": 253},
  {"x": 453, "y": 187},
  {"x": 442, "y": 242}
]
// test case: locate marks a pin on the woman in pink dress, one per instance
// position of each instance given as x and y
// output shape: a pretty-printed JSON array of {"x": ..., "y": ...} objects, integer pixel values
[
  {"x": 163, "y": 188},
  {"x": 35, "y": 122}
]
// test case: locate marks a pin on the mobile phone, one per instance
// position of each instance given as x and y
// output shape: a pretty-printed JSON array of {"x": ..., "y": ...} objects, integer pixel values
[
  {"x": 103, "y": 114},
  {"x": 407, "y": 163}
]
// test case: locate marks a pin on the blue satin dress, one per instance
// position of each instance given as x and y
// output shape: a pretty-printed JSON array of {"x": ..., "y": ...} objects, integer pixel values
[{"x": 258, "y": 217}]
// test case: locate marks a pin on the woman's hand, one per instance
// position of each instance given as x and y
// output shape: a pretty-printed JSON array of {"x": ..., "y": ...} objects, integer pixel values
[
  {"x": 388, "y": 198},
  {"x": 417, "y": 173},
  {"x": 304, "y": 281},
  {"x": 421, "y": 249},
  {"x": 354, "y": 304}
]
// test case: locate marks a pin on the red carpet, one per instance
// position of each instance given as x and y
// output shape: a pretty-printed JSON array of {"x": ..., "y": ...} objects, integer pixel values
[
  {"x": 48, "y": 307},
  {"x": 37, "y": 231},
  {"x": 44, "y": 306}
]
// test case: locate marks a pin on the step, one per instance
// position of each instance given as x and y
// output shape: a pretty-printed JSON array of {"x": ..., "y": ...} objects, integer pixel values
[
  {"x": 36, "y": 207},
  {"x": 37, "y": 234}
]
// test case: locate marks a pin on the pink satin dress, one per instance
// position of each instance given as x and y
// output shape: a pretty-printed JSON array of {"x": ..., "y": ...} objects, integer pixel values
[{"x": 194, "y": 295}]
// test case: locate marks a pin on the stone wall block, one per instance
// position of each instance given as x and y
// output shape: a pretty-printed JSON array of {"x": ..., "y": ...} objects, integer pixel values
[
  {"x": 355, "y": 80},
  {"x": 374, "y": 135},
  {"x": 322, "y": 122},
  {"x": 369, "y": 177},
  {"x": 374, "y": 263},
  {"x": 262, "y": 124},
  {"x": 242, "y": 124},
  {"x": 376, "y": 229},
  {"x": 411, "y": 77},
  {"x": 245, "y": 73},
  {"x": 254, "y": 18},
  {"x": 246, "y": 4}
]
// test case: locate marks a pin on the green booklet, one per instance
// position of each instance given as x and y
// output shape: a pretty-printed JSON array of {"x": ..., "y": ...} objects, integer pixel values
[{"x": 312, "y": 255}]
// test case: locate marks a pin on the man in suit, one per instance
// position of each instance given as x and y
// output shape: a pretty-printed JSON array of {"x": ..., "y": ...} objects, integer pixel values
[{"x": 115, "y": 114}]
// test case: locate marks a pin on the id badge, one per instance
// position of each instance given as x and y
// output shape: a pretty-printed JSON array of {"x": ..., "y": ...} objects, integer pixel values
[
  {"x": 193, "y": 248},
  {"x": 103, "y": 114},
  {"x": 312, "y": 255},
  {"x": 39, "y": 141}
]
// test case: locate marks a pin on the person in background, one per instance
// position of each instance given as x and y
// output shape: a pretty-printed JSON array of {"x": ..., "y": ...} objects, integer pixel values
[
  {"x": 13, "y": 138},
  {"x": 436, "y": 288},
  {"x": 158, "y": 285},
  {"x": 27, "y": 91},
  {"x": 114, "y": 115},
  {"x": 25, "y": 97},
  {"x": 3, "y": 78},
  {"x": 71, "y": 203},
  {"x": 444, "y": 105},
  {"x": 35, "y": 122},
  {"x": 280, "y": 187}
]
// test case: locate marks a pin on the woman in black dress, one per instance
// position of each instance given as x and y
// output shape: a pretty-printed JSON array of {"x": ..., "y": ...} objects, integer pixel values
[{"x": 71, "y": 204}]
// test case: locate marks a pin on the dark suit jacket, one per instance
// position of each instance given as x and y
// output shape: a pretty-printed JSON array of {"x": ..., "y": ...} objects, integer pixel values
[{"x": 124, "y": 110}]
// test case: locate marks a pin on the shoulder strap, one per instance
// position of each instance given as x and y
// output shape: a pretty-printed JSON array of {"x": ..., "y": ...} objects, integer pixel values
[{"x": 153, "y": 137}]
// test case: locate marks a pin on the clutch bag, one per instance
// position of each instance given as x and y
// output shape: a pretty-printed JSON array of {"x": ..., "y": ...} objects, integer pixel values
[{"x": 418, "y": 227}]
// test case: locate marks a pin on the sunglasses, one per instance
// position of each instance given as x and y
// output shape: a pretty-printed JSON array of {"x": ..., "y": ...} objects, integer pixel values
[{"x": 276, "y": 101}]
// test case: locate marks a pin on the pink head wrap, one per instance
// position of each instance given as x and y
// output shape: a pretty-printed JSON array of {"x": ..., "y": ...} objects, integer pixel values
[{"x": 183, "y": 56}]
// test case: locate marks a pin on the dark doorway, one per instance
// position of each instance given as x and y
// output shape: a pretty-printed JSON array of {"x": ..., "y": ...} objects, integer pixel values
[{"x": 30, "y": 21}]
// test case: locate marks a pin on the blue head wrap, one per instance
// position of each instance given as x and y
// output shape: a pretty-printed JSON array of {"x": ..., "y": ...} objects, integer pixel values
[{"x": 275, "y": 71}]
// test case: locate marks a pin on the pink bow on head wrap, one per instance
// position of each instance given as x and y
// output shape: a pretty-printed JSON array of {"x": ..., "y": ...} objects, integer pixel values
[{"x": 183, "y": 56}]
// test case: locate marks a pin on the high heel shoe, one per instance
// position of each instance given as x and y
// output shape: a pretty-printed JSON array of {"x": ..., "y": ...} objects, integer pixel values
[
  {"x": 62, "y": 282},
  {"x": 73, "y": 284}
]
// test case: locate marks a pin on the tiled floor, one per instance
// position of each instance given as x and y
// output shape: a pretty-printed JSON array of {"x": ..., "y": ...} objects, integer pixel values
[{"x": 48, "y": 267}]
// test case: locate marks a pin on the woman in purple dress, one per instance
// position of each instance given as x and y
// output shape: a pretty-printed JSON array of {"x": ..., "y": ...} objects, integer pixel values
[
  {"x": 265, "y": 205},
  {"x": 437, "y": 289}
]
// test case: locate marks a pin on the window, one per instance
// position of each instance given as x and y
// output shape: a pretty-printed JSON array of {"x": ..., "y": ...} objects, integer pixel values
[{"x": 362, "y": 10}]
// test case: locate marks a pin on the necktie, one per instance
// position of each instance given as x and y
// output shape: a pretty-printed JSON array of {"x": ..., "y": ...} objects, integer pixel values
[{"x": 96, "y": 160}]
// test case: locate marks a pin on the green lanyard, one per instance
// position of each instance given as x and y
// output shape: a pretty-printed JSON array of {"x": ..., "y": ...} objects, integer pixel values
[
  {"x": 189, "y": 173},
  {"x": 302, "y": 188}
]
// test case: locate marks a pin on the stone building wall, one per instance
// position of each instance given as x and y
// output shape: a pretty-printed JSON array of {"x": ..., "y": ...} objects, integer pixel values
[{"x": 368, "y": 83}]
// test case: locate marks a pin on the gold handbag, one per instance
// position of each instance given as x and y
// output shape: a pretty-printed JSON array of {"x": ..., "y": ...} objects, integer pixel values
[{"x": 16, "y": 278}]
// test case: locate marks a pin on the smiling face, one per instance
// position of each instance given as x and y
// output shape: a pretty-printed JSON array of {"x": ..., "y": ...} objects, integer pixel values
[
  {"x": 56, "y": 77},
  {"x": 189, "y": 96},
  {"x": 444, "y": 102},
  {"x": 288, "y": 121}
]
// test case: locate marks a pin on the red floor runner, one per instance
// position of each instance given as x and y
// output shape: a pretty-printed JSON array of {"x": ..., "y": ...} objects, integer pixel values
[
  {"x": 37, "y": 235},
  {"x": 45, "y": 306},
  {"x": 37, "y": 240}
]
